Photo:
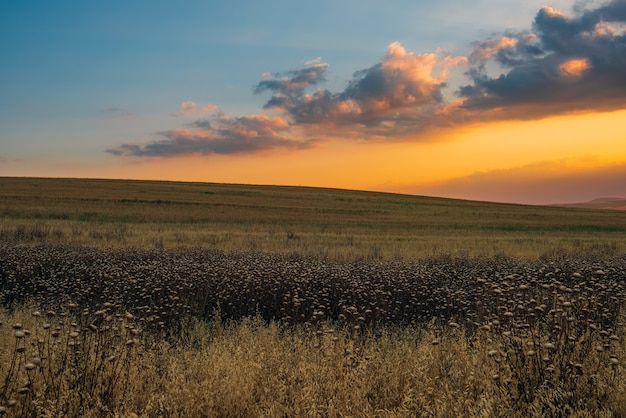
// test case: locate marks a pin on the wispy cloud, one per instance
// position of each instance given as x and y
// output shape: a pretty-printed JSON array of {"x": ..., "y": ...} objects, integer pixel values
[
  {"x": 220, "y": 135},
  {"x": 192, "y": 107},
  {"x": 188, "y": 107},
  {"x": 561, "y": 64}
]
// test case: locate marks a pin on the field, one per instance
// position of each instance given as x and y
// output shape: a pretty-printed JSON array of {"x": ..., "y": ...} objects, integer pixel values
[
  {"x": 129, "y": 298},
  {"x": 332, "y": 224}
]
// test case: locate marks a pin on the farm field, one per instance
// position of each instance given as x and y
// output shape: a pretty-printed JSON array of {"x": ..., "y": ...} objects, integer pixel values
[
  {"x": 131, "y": 298},
  {"x": 341, "y": 225}
]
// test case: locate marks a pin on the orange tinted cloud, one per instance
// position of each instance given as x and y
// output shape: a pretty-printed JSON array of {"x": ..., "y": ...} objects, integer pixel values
[
  {"x": 564, "y": 65},
  {"x": 220, "y": 135},
  {"x": 486, "y": 50},
  {"x": 402, "y": 80},
  {"x": 192, "y": 107},
  {"x": 208, "y": 108},
  {"x": 569, "y": 64},
  {"x": 188, "y": 107},
  {"x": 574, "y": 68}
]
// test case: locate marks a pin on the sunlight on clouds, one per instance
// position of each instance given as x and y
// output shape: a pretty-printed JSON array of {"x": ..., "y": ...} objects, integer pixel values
[
  {"x": 574, "y": 68},
  {"x": 516, "y": 152},
  {"x": 491, "y": 47},
  {"x": 552, "y": 12},
  {"x": 192, "y": 107},
  {"x": 208, "y": 108},
  {"x": 188, "y": 107}
]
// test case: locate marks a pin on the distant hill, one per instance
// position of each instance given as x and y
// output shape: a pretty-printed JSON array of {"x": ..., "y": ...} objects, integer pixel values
[{"x": 613, "y": 203}]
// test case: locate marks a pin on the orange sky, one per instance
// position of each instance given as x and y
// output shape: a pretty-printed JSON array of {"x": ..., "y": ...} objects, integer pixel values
[
  {"x": 561, "y": 146},
  {"x": 532, "y": 112},
  {"x": 452, "y": 162}
]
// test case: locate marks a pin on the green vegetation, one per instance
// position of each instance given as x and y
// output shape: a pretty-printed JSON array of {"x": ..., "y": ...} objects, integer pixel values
[
  {"x": 323, "y": 223},
  {"x": 151, "y": 299}
]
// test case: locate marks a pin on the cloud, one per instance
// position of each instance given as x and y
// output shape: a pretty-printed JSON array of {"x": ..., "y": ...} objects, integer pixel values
[
  {"x": 294, "y": 82},
  {"x": 208, "y": 108},
  {"x": 402, "y": 82},
  {"x": 192, "y": 107},
  {"x": 560, "y": 65},
  {"x": 566, "y": 64},
  {"x": 223, "y": 135},
  {"x": 540, "y": 183},
  {"x": 188, "y": 107}
]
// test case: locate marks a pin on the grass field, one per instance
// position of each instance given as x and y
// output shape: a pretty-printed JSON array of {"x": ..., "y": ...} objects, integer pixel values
[
  {"x": 325, "y": 223},
  {"x": 159, "y": 299}
]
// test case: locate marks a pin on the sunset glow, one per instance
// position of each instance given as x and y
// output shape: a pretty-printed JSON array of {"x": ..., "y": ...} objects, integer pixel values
[
  {"x": 574, "y": 68},
  {"x": 533, "y": 113}
]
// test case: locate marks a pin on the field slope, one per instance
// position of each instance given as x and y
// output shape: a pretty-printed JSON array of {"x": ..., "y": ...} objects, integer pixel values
[{"x": 328, "y": 223}]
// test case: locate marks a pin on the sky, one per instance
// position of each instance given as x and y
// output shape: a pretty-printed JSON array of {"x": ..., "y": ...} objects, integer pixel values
[{"x": 520, "y": 101}]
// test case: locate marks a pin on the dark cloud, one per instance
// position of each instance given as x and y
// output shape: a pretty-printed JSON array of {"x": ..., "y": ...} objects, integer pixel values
[
  {"x": 565, "y": 64},
  {"x": 561, "y": 64},
  {"x": 223, "y": 136},
  {"x": 293, "y": 82}
]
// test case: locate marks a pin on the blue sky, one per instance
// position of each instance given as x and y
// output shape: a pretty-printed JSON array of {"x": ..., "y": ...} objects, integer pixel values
[{"x": 81, "y": 79}]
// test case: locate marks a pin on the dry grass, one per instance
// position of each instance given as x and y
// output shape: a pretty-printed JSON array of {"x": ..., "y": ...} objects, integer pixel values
[
  {"x": 338, "y": 224},
  {"x": 255, "y": 369},
  {"x": 190, "y": 300},
  {"x": 301, "y": 337}
]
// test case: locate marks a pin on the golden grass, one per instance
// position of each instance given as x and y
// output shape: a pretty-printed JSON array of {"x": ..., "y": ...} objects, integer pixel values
[
  {"x": 325, "y": 223},
  {"x": 367, "y": 304},
  {"x": 255, "y": 369}
]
